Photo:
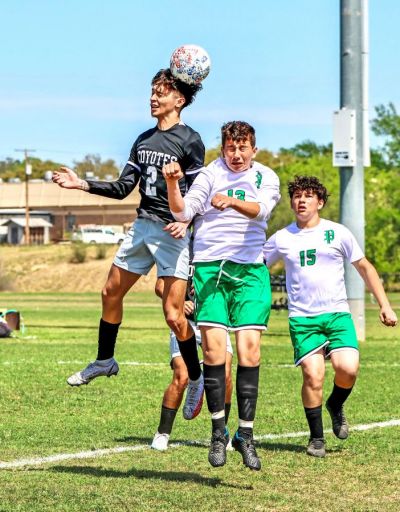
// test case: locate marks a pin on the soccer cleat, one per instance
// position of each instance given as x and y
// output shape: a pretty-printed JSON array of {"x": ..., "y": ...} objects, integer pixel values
[
  {"x": 160, "y": 442},
  {"x": 340, "y": 426},
  {"x": 316, "y": 447},
  {"x": 245, "y": 446},
  {"x": 92, "y": 371},
  {"x": 194, "y": 398},
  {"x": 217, "y": 452}
]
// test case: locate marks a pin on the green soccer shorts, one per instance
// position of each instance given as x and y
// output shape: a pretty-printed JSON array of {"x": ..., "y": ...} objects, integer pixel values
[
  {"x": 232, "y": 295},
  {"x": 331, "y": 331}
]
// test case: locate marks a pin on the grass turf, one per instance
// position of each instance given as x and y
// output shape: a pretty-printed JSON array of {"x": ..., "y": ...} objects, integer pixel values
[{"x": 41, "y": 416}]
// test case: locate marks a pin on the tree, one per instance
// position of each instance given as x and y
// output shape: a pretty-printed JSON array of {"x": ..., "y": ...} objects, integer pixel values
[
  {"x": 308, "y": 149},
  {"x": 93, "y": 164},
  {"x": 10, "y": 168},
  {"x": 387, "y": 124}
]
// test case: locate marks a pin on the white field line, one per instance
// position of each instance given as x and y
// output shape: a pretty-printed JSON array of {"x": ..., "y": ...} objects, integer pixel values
[
  {"x": 123, "y": 363},
  {"x": 92, "y": 454},
  {"x": 139, "y": 363}
]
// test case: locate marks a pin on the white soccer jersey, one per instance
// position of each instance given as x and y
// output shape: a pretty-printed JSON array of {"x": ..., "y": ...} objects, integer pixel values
[
  {"x": 314, "y": 263},
  {"x": 220, "y": 235}
]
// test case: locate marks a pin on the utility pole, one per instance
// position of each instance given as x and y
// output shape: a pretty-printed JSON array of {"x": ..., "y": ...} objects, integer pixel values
[
  {"x": 28, "y": 172},
  {"x": 351, "y": 147}
]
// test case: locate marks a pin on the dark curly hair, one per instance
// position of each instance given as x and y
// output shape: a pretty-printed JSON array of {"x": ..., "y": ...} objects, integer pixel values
[
  {"x": 301, "y": 183},
  {"x": 238, "y": 131},
  {"x": 188, "y": 91}
]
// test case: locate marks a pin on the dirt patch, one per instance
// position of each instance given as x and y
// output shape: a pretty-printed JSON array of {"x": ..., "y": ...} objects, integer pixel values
[{"x": 48, "y": 268}]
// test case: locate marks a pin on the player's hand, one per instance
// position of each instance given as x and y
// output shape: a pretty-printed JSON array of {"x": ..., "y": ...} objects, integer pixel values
[
  {"x": 66, "y": 178},
  {"x": 388, "y": 316},
  {"x": 176, "y": 229},
  {"x": 188, "y": 307},
  {"x": 172, "y": 171},
  {"x": 221, "y": 202}
]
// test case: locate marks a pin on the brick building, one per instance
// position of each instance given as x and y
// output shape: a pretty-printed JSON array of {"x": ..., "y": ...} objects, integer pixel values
[{"x": 66, "y": 208}]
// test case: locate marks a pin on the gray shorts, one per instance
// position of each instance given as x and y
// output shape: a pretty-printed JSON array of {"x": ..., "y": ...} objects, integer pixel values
[
  {"x": 174, "y": 347},
  {"x": 147, "y": 244}
]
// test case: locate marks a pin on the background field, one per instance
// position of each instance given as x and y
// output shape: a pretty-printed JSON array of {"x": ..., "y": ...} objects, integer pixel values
[{"x": 41, "y": 416}]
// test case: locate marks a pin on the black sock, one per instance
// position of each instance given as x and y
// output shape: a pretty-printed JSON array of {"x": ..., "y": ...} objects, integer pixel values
[
  {"x": 227, "y": 411},
  {"x": 218, "y": 424},
  {"x": 338, "y": 397},
  {"x": 245, "y": 432},
  {"x": 188, "y": 350},
  {"x": 314, "y": 418},
  {"x": 214, "y": 386},
  {"x": 247, "y": 391},
  {"x": 167, "y": 419},
  {"x": 107, "y": 339}
]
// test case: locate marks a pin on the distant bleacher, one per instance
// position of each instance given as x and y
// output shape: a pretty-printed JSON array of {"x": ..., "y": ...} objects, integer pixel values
[{"x": 278, "y": 284}]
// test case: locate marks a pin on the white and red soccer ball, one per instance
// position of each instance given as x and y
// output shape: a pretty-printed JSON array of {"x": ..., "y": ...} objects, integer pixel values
[{"x": 190, "y": 63}]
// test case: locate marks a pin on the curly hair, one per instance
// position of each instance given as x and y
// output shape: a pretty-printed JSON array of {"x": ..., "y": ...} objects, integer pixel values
[
  {"x": 301, "y": 183},
  {"x": 238, "y": 131},
  {"x": 188, "y": 91}
]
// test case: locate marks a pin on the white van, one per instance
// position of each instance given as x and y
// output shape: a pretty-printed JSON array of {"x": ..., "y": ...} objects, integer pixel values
[{"x": 97, "y": 235}]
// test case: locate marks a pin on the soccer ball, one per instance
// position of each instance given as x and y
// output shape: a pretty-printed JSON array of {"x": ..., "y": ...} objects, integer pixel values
[{"x": 190, "y": 63}]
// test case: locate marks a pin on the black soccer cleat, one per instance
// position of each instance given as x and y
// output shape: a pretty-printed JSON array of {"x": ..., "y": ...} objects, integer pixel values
[
  {"x": 316, "y": 447},
  {"x": 217, "y": 452},
  {"x": 245, "y": 446},
  {"x": 340, "y": 426}
]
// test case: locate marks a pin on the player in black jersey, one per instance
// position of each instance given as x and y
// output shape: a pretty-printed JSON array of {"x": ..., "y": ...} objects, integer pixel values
[{"x": 151, "y": 238}]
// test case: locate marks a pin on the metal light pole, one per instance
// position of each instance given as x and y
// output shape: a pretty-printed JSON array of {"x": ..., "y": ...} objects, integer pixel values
[
  {"x": 354, "y": 115},
  {"x": 28, "y": 172}
]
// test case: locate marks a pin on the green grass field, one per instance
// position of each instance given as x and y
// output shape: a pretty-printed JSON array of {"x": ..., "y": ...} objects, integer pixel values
[{"x": 41, "y": 416}]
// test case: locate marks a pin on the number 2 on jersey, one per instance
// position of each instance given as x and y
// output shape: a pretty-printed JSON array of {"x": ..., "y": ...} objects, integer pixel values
[
  {"x": 150, "y": 180},
  {"x": 308, "y": 257}
]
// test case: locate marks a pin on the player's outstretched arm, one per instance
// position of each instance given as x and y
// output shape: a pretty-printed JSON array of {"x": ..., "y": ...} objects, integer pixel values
[
  {"x": 67, "y": 178},
  {"x": 371, "y": 278},
  {"x": 222, "y": 202}
]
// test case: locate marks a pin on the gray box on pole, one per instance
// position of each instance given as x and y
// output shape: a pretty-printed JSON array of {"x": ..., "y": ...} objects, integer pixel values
[{"x": 344, "y": 138}]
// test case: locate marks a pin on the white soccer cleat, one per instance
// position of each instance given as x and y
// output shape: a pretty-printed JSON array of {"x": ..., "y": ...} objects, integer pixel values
[
  {"x": 194, "y": 398},
  {"x": 92, "y": 371},
  {"x": 160, "y": 442}
]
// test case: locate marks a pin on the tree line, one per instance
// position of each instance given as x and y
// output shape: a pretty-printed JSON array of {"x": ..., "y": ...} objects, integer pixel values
[{"x": 382, "y": 183}]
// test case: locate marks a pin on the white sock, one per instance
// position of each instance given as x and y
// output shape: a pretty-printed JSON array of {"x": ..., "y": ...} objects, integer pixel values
[{"x": 246, "y": 424}]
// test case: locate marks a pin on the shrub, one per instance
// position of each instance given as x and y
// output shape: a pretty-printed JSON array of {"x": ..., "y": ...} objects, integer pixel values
[
  {"x": 101, "y": 251},
  {"x": 78, "y": 253},
  {"x": 6, "y": 283}
]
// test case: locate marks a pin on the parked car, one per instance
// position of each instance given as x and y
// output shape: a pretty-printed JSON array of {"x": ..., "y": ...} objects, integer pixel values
[{"x": 97, "y": 235}]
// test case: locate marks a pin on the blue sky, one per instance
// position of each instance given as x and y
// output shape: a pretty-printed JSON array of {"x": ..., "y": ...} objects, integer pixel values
[{"x": 75, "y": 74}]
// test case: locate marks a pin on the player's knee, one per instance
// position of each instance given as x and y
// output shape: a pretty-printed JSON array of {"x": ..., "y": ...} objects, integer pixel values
[
  {"x": 347, "y": 375},
  {"x": 313, "y": 381},
  {"x": 180, "y": 379},
  {"x": 110, "y": 293},
  {"x": 180, "y": 383},
  {"x": 175, "y": 320}
]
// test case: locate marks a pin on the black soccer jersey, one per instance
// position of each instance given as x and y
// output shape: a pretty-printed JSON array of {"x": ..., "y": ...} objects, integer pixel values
[{"x": 150, "y": 152}]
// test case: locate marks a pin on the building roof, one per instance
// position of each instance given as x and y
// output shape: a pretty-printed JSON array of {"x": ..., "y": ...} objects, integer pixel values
[
  {"x": 48, "y": 195},
  {"x": 33, "y": 222}
]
